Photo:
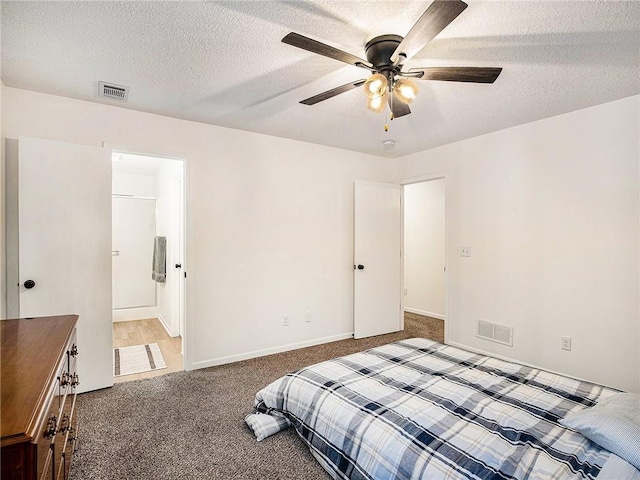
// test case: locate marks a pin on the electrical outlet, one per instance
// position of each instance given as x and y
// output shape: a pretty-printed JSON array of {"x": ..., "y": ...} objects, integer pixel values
[
  {"x": 307, "y": 317},
  {"x": 285, "y": 320},
  {"x": 405, "y": 291},
  {"x": 565, "y": 343},
  {"x": 465, "y": 251}
]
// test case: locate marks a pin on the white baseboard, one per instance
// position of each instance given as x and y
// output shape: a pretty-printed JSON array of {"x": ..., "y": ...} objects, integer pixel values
[
  {"x": 267, "y": 351},
  {"x": 424, "y": 313},
  {"x": 164, "y": 324},
  {"x": 127, "y": 314}
]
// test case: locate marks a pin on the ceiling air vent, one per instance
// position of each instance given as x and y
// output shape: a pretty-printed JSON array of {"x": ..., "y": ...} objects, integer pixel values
[
  {"x": 117, "y": 92},
  {"x": 495, "y": 332}
]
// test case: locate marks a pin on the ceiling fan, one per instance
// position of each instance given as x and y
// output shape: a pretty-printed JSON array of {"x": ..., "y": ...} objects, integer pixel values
[{"x": 386, "y": 54}]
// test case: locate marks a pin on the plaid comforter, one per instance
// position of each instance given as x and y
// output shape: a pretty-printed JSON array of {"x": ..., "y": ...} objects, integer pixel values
[{"x": 419, "y": 409}]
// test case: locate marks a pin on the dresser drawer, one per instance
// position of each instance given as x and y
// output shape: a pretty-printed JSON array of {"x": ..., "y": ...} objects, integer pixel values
[
  {"x": 14, "y": 460},
  {"x": 39, "y": 357},
  {"x": 66, "y": 437},
  {"x": 47, "y": 434}
]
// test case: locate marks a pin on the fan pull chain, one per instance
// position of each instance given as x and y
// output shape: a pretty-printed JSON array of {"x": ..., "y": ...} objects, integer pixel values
[
  {"x": 386, "y": 125},
  {"x": 390, "y": 103}
]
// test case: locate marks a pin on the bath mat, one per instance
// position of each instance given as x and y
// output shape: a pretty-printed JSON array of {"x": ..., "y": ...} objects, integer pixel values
[{"x": 137, "y": 359}]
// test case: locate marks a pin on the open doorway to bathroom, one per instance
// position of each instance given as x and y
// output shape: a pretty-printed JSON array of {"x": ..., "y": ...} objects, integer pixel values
[{"x": 147, "y": 261}]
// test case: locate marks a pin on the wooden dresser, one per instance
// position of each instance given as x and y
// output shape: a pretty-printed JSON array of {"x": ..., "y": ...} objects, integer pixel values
[{"x": 38, "y": 380}]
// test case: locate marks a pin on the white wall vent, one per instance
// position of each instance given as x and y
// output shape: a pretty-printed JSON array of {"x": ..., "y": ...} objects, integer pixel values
[
  {"x": 495, "y": 332},
  {"x": 109, "y": 90}
]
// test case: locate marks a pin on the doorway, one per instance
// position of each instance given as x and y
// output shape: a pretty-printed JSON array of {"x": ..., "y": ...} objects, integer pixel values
[
  {"x": 424, "y": 259},
  {"x": 147, "y": 264}
]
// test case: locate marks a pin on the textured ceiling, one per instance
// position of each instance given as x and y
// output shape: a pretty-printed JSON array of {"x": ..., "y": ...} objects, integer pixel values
[{"x": 222, "y": 63}]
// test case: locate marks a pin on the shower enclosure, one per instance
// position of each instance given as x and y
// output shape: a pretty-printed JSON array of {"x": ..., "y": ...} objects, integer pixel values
[{"x": 134, "y": 227}]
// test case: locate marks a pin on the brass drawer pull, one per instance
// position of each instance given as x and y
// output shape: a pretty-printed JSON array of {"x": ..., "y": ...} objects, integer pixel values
[
  {"x": 65, "y": 379},
  {"x": 50, "y": 431},
  {"x": 64, "y": 424}
]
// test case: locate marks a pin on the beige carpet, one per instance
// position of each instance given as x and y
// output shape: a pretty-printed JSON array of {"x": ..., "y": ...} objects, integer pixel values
[
  {"x": 427, "y": 327},
  {"x": 190, "y": 425}
]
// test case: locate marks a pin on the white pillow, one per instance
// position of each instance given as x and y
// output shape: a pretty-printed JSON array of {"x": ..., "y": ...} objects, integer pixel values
[{"x": 613, "y": 423}]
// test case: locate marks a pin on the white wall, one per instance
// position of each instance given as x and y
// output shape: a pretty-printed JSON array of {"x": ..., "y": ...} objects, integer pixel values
[
  {"x": 551, "y": 212},
  {"x": 424, "y": 249},
  {"x": 270, "y": 221},
  {"x": 132, "y": 184}
]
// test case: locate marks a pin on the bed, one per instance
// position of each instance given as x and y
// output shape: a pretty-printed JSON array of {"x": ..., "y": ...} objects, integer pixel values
[{"x": 420, "y": 409}]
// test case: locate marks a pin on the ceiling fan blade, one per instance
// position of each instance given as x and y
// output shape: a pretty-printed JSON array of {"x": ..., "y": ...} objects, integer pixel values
[
  {"x": 398, "y": 108},
  {"x": 314, "y": 46},
  {"x": 332, "y": 93},
  {"x": 459, "y": 74},
  {"x": 439, "y": 14}
]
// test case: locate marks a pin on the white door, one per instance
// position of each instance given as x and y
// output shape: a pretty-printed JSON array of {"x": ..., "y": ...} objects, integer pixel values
[
  {"x": 134, "y": 227},
  {"x": 64, "y": 228},
  {"x": 177, "y": 258},
  {"x": 377, "y": 258}
]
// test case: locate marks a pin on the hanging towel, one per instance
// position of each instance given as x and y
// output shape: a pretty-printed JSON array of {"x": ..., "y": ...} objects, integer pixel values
[{"x": 159, "y": 268}]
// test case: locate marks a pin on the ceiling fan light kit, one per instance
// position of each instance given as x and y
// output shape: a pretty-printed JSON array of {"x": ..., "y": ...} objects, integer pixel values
[
  {"x": 377, "y": 104},
  {"x": 405, "y": 90},
  {"x": 376, "y": 86},
  {"x": 386, "y": 54}
]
